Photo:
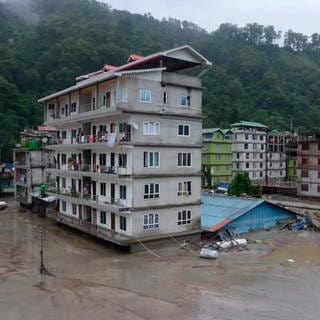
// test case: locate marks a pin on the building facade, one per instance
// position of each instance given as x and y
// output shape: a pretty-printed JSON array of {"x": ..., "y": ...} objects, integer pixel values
[
  {"x": 217, "y": 154},
  {"x": 249, "y": 149},
  {"x": 128, "y": 161},
  {"x": 30, "y": 160},
  {"x": 308, "y": 166},
  {"x": 276, "y": 157}
]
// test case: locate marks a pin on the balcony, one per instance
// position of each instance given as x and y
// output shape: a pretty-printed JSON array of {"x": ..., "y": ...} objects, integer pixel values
[
  {"x": 88, "y": 168},
  {"x": 88, "y": 227},
  {"x": 87, "y": 197}
]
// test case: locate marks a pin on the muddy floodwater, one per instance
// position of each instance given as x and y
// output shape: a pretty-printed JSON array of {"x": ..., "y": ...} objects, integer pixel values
[{"x": 93, "y": 281}]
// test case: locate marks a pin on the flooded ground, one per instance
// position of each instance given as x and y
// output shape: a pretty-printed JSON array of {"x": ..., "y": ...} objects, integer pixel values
[{"x": 93, "y": 281}]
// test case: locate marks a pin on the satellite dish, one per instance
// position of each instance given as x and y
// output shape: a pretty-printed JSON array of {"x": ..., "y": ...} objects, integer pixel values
[{"x": 135, "y": 126}]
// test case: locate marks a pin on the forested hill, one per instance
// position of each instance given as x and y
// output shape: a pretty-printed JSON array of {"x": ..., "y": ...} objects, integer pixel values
[{"x": 44, "y": 46}]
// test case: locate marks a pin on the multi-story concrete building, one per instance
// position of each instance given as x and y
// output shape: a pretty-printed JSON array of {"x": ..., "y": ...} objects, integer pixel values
[
  {"x": 276, "y": 156},
  {"x": 217, "y": 154},
  {"x": 291, "y": 156},
  {"x": 249, "y": 149},
  {"x": 308, "y": 170},
  {"x": 30, "y": 160},
  {"x": 129, "y": 159}
]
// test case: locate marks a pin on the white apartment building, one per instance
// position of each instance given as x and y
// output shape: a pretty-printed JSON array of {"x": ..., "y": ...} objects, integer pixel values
[
  {"x": 249, "y": 149},
  {"x": 128, "y": 161},
  {"x": 276, "y": 156}
]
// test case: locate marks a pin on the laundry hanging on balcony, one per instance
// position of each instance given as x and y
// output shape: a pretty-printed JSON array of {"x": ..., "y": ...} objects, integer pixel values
[{"x": 112, "y": 140}]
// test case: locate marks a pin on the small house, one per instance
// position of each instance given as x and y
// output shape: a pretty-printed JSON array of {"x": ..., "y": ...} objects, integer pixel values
[{"x": 240, "y": 215}]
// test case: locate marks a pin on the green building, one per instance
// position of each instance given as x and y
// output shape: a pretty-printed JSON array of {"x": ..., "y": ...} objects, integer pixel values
[{"x": 217, "y": 155}]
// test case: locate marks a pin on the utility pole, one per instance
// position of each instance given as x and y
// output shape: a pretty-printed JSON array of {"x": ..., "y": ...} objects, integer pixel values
[{"x": 43, "y": 269}]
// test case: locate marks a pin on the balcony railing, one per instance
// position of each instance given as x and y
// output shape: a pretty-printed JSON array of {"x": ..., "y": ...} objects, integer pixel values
[
  {"x": 89, "y": 227},
  {"x": 93, "y": 198},
  {"x": 116, "y": 170}
]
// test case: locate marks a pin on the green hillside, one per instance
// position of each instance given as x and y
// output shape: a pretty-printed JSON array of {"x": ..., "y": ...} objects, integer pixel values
[{"x": 56, "y": 40}]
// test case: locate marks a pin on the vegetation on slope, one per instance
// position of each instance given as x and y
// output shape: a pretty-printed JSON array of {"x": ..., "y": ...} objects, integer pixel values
[{"x": 252, "y": 77}]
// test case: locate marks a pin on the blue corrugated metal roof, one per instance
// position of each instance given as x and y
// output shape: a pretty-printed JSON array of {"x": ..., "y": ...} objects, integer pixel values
[
  {"x": 216, "y": 209},
  {"x": 240, "y": 214}
]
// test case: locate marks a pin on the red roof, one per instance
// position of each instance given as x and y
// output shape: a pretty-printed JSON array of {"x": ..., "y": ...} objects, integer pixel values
[
  {"x": 134, "y": 57},
  {"x": 47, "y": 128}
]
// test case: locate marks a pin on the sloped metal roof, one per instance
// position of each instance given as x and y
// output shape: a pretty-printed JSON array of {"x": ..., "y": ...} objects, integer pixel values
[{"x": 217, "y": 211}]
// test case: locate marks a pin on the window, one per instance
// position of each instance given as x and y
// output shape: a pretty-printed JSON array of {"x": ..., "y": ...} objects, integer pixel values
[
  {"x": 122, "y": 127},
  {"x": 151, "y": 128},
  {"x": 73, "y": 107},
  {"x": 218, "y": 157},
  {"x": 261, "y": 155},
  {"x": 123, "y": 223},
  {"x": 305, "y": 160},
  {"x": 184, "y": 217},
  {"x": 103, "y": 189},
  {"x": 246, "y": 146},
  {"x": 151, "y": 159},
  {"x": 261, "y": 165},
  {"x": 254, "y": 137},
  {"x": 103, "y": 217},
  {"x": 305, "y": 145},
  {"x": 318, "y": 188},
  {"x": 280, "y": 172},
  {"x": 151, "y": 221},
  {"x": 102, "y": 159},
  {"x": 305, "y": 173},
  {"x": 151, "y": 191},
  {"x": 74, "y": 209},
  {"x": 123, "y": 192},
  {"x": 184, "y": 159},
  {"x": 165, "y": 97},
  {"x": 261, "y": 138},
  {"x": 145, "y": 95},
  {"x": 246, "y": 136},
  {"x": 247, "y": 155},
  {"x": 247, "y": 165},
  {"x": 262, "y": 147},
  {"x": 122, "y": 160},
  {"x": 238, "y": 155},
  {"x": 64, "y": 158},
  {"x": 185, "y": 101},
  {"x": 64, "y": 206},
  {"x": 63, "y": 183},
  {"x": 304, "y": 187},
  {"x": 261, "y": 174},
  {"x": 108, "y": 99},
  {"x": 184, "y": 188},
  {"x": 183, "y": 130}
]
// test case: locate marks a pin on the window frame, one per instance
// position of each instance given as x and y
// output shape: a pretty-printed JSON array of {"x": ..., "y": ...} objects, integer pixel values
[
  {"x": 144, "y": 94},
  {"x": 184, "y": 159},
  {"x": 184, "y": 217},
  {"x": 151, "y": 191},
  {"x": 151, "y": 128},
  {"x": 149, "y": 159},
  {"x": 151, "y": 221},
  {"x": 183, "y": 126}
]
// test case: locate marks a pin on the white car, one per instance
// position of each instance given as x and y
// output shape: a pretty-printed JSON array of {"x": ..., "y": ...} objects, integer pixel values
[{"x": 3, "y": 205}]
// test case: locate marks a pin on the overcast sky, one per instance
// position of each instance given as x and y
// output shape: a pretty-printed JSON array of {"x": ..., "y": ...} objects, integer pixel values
[{"x": 298, "y": 15}]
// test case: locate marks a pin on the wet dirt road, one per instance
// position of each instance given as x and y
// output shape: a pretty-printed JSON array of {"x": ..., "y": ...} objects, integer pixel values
[{"x": 93, "y": 281}]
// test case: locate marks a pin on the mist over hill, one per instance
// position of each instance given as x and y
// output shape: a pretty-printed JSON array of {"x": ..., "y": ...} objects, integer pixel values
[{"x": 45, "y": 44}]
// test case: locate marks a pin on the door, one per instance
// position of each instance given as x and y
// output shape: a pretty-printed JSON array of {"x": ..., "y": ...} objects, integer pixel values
[
  {"x": 94, "y": 190},
  {"x": 112, "y": 192},
  {"x": 113, "y": 221},
  {"x": 94, "y": 162}
]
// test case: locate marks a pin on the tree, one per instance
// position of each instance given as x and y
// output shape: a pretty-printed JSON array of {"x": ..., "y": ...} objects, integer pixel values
[{"x": 241, "y": 184}]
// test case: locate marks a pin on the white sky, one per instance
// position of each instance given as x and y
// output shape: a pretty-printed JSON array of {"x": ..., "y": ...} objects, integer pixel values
[{"x": 298, "y": 15}]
